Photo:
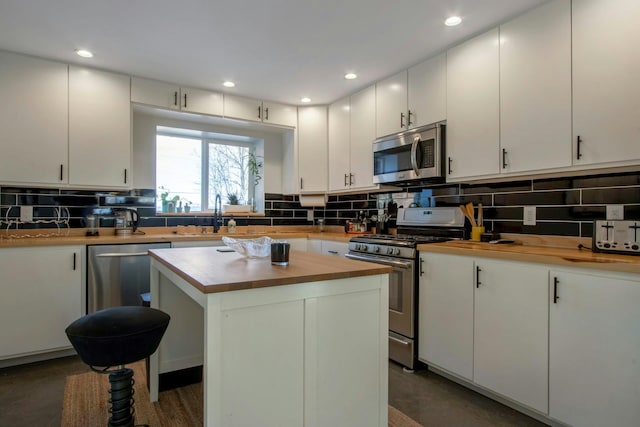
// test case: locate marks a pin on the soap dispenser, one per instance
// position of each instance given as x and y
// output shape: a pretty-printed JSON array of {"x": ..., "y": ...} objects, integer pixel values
[{"x": 231, "y": 225}]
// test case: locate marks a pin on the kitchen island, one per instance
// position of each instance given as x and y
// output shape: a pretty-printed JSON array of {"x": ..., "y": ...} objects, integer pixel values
[{"x": 303, "y": 344}]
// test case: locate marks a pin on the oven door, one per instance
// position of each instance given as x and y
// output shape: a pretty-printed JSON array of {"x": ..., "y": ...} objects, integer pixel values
[{"x": 401, "y": 292}]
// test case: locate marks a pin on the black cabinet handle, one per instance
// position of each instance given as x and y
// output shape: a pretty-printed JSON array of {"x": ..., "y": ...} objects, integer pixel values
[
  {"x": 450, "y": 170},
  {"x": 504, "y": 158},
  {"x": 401, "y": 119},
  {"x": 555, "y": 290},
  {"x": 478, "y": 270},
  {"x": 333, "y": 252},
  {"x": 125, "y": 176},
  {"x": 345, "y": 179},
  {"x": 301, "y": 186},
  {"x": 185, "y": 100},
  {"x": 578, "y": 142},
  {"x": 409, "y": 114},
  {"x": 350, "y": 179},
  {"x": 266, "y": 113},
  {"x": 74, "y": 261},
  {"x": 61, "y": 172},
  {"x": 259, "y": 112},
  {"x": 421, "y": 264},
  {"x": 175, "y": 98}
]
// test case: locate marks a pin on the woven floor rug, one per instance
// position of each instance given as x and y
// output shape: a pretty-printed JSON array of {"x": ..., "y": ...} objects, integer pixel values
[{"x": 85, "y": 403}]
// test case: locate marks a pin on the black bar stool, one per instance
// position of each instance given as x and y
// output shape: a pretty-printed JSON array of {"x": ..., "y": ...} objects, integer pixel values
[{"x": 115, "y": 337}]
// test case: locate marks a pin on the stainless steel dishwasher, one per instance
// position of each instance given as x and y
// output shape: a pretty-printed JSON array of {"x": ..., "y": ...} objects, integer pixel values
[{"x": 118, "y": 274}]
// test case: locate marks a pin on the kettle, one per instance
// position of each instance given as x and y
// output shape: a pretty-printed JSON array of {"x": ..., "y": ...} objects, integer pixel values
[{"x": 126, "y": 221}]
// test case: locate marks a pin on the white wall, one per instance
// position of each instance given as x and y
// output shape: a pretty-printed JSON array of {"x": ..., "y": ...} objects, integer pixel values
[{"x": 144, "y": 137}]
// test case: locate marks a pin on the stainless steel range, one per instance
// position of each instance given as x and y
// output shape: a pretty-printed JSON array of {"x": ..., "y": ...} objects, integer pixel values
[{"x": 415, "y": 226}]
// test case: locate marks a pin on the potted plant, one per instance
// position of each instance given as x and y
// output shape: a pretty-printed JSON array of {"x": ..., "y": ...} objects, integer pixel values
[
  {"x": 163, "y": 197},
  {"x": 233, "y": 204},
  {"x": 187, "y": 206}
]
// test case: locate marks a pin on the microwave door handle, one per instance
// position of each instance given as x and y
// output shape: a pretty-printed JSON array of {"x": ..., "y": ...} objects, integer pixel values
[{"x": 414, "y": 155}]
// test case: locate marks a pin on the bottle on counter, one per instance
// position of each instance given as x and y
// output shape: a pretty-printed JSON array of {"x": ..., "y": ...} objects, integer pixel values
[{"x": 231, "y": 225}]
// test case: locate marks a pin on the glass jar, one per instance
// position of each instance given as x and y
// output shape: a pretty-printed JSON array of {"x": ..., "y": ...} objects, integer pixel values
[{"x": 320, "y": 223}]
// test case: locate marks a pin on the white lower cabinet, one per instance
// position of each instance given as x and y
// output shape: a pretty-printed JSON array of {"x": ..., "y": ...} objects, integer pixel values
[
  {"x": 42, "y": 293},
  {"x": 327, "y": 247},
  {"x": 594, "y": 349},
  {"x": 445, "y": 318},
  {"x": 511, "y": 331}
]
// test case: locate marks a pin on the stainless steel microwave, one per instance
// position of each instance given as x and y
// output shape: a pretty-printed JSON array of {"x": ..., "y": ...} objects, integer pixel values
[{"x": 413, "y": 155}]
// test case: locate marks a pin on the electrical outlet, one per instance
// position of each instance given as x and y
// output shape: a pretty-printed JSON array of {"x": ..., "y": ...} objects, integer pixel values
[
  {"x": 26, "y": 213},
  {"x": 310, "y": 215},
  {"x": 615, "y": 212},
  {"x": 529, "y": 215}
]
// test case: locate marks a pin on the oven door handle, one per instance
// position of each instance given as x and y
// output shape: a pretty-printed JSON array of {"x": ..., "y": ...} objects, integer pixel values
[
  {"x": 392, "y": 263},
  {"x": 414, "y": 155}
]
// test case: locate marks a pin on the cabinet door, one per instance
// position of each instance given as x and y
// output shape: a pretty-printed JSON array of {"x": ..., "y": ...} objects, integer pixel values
[
  {"x": 242, "y": 108},
  {"x": 339, "y": 140},
  {"x": 280, "y": 114},
  {"x": 535, "y": 89},
  {"x": 427, "y": 91},
  {"x": 201, "y": 101},
  {"x": 363, "y": 133},
  {"x": 594, "y": 343},
  {"x": 343, "y": 390},
  {"x": 473, "y": 112},
  {"x": 154, "y": 92},
  {"x": 511, "y": 331},
  {"x": 330, "y": 247},
  {"x": 33, "y": 119},
  {"x": 391, "y": 104},
  {"x": 606, "y": 93},
  {"x": 314, "y": 245},
  {"x": 445, "y": 316},
  {"x": 312, "y": 149},
  {"x": 99, "y": 128},
  {"x": 42, "y": 293}
]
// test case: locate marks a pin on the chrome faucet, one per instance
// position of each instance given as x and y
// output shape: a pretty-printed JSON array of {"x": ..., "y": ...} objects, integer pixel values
[{"x": 217, "y": 213}]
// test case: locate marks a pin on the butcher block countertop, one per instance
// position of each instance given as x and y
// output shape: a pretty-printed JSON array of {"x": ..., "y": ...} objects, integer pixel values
[
  {"x": 211, "y": 271},
  {"x": 538, "y": 253},
  {"x": 169, "y": 234}
]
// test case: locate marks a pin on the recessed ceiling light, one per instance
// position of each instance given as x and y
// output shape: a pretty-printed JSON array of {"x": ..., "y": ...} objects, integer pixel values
[
  {"x": 229, "y": 84},
  {"x": 350, "y": 76},
  {"x": 84, "y": 53},
  {"x": 452, "y": 21},
  {"x": 305, "y": 100}
]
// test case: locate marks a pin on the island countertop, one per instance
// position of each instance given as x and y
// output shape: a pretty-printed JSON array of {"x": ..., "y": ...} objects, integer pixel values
[{"x": 210, "y": 270}]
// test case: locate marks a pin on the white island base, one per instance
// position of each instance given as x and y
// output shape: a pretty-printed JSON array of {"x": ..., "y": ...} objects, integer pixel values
[{"x": 312, "y": 354}]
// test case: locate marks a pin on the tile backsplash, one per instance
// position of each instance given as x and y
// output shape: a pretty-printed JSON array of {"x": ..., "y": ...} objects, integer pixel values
[{"x": 564, "y": 206}]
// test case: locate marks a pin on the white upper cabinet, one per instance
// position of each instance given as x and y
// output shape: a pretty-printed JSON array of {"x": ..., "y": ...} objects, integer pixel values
[
  {"x": 168, "y": 95},
  {"x": 280, "y": 114},
  {"x": 606, "y": 93},
  {"x": 312, "y": 149},
  {"x": 254, "y": 110},
  {"x": 99, "y": 128},
  {"x": 427, "y": 92},
  {"x": 473, "y": 107},
  {"x": 362, "y": 125},
  {"x": 351, "y": 136},
  {"x": 391, "y": 104},
  {"x": 535, "y": 89},
  {"x": 339, "y": 141},
  {"x": 33, "y": 119}
]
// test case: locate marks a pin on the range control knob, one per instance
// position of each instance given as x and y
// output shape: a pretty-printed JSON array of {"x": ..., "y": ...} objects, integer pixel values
[
  {"x": 396, "y": 251},
  {"x": 389, "y": 251},
  {"x": 376, "y": 249},
  {"x": 365, "y": 248},
  {"x": 635, "y": 247},
  {"x": 607, "y": 245}
]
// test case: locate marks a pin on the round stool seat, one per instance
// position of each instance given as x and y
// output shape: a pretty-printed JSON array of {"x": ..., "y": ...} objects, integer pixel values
[{"x": 118, "y": 335}]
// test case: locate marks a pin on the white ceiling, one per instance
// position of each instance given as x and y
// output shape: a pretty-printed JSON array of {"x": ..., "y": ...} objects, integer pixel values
[{"x": 279, "y": 50}]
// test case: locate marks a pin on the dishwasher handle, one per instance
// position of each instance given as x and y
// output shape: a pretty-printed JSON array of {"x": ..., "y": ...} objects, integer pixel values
[{"x": 121, "y": 255}]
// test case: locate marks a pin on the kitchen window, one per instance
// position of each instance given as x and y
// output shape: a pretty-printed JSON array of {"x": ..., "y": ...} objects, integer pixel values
[{"x": 192, "y": 167}]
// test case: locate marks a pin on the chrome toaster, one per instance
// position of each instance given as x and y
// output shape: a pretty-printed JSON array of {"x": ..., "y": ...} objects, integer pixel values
[{"x": 622, "y": 237}]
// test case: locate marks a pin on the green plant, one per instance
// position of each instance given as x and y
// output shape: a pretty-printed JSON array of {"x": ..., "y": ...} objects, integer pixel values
[
  {"x": 232, "y": 198},
  {"x": 255, "y": 166}
]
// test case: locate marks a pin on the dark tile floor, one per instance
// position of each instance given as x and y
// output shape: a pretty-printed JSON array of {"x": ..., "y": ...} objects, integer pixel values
[{"x": 31, "y": 395}]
